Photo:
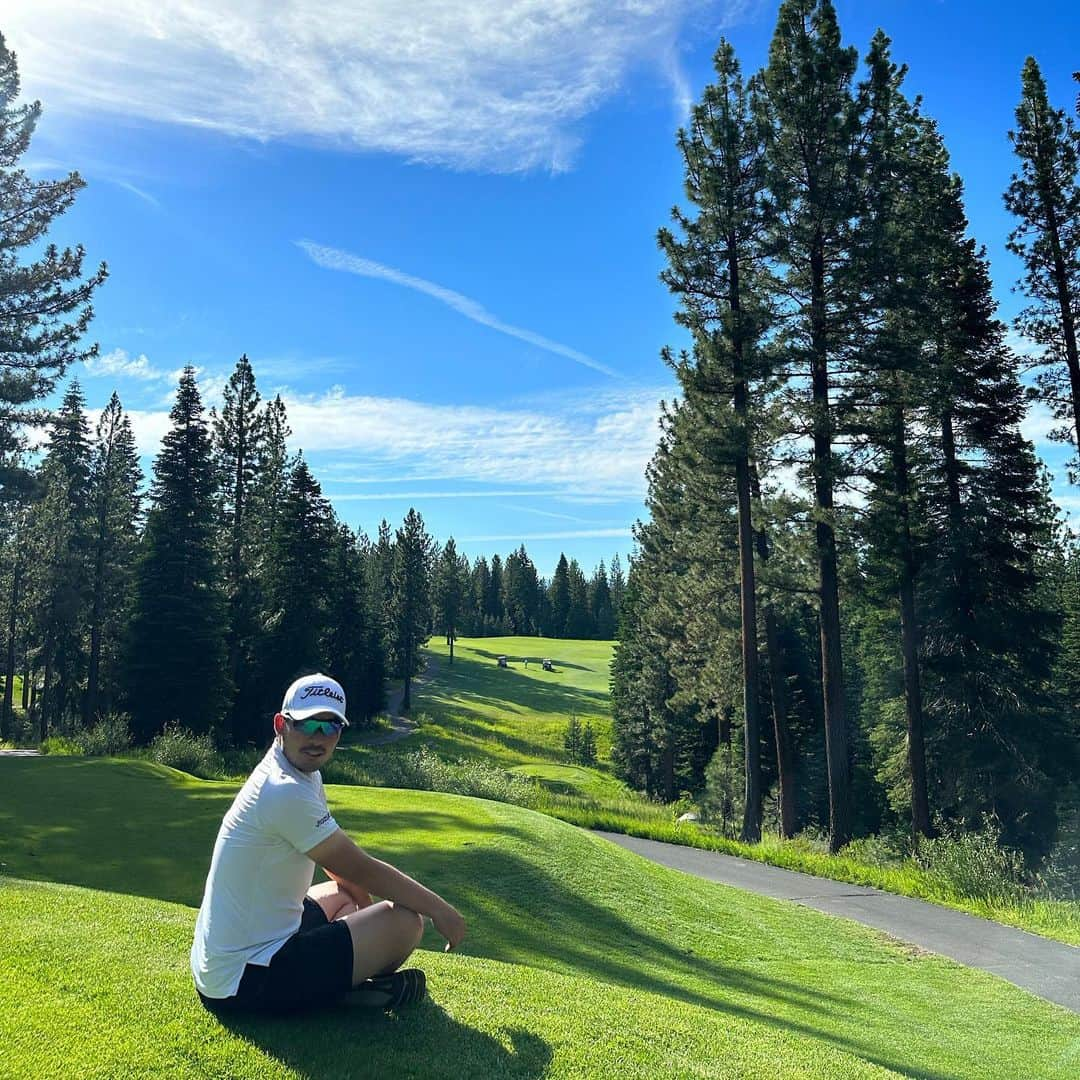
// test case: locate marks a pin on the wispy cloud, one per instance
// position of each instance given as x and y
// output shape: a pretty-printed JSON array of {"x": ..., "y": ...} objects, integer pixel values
[
  {"x": 577, "y": 534},
  {"x": 118, "y": 363},
  {"x": 585, "y": 449},
  {"x": 138, "y": 192},
  {"x": 335, "y": 259},
  {"x": 484, "y": 85}
]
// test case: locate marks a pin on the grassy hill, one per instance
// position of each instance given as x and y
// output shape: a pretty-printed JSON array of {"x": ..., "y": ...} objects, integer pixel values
[
  {"x": 582, "y": 960},
  {"x": 515, "y": 717}
]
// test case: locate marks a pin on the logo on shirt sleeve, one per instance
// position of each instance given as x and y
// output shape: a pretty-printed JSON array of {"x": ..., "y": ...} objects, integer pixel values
[{"x": 323, "y": 820}]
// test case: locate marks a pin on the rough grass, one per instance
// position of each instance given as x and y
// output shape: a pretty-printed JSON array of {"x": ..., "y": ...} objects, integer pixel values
[{"x": 582, "y": 959}]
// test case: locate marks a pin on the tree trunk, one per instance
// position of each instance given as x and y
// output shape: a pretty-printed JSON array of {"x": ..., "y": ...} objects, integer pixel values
[
  {"x": 669, "y": 770},
  {"x": 832, "y": 671},
  {"x": 909, "y": 636},
  {"x": 9, "y": 668},
  {"x": 45, "y": 698},
  {"x": 785, "y": 751},
  {"x": 751, "y": 826},
  {"x": 1068, "y": 323},
  {"x": 90, "y": 701}
]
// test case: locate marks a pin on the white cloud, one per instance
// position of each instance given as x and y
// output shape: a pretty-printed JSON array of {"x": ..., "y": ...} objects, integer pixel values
[
  {"x": 488, "y": 85},
  {"x": 334, "y": 259},
  {"x": 119, "y": 364},
  {"x": 518, "y": 538},
  {"x": 1038, "y": 422},
  {"x": 581, "y": 448}
]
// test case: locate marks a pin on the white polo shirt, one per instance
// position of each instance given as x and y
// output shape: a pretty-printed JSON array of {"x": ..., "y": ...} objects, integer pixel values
[{"x": 259, "y": 873}]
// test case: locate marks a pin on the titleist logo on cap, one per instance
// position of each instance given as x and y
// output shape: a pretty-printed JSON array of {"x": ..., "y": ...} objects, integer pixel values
[{"x": 321, "y": 691}]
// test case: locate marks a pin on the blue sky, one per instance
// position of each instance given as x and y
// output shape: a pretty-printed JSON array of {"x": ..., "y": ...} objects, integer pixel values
[{"x": 432, "y": 226}]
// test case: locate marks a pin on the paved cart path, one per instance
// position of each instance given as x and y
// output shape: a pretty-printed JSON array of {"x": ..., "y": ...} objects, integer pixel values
[{"x": 1048, "y": 968}]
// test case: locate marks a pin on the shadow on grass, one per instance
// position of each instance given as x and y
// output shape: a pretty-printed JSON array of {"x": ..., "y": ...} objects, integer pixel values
[
  {"x": 422, "y": 1041},
  {"x": 513, "y": 659},
  {"x": 489, "y": 684}
]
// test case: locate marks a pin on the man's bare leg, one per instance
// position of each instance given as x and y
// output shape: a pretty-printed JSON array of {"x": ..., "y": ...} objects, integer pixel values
[
  {"x": 383, "y": 936},
  {"x": 335, "y": 902}
]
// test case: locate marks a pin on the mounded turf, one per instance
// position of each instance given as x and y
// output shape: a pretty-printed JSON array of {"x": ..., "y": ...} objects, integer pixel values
[{"x": 582, "y": 960}]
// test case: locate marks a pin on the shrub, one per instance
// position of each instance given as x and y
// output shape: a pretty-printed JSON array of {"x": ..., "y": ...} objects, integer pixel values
[
  {"x": 60, "y": 746},
  {"x": 722, "y": 800},
  {"x": 975, "y": 865},
  {"x": 184, "y": 750},
  {"x": 110, "y": 736},
  {"x": 423, "y": 770}
]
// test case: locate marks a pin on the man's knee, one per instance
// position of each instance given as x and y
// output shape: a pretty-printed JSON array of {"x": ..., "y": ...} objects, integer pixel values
[{"x": 410, "y": 923}]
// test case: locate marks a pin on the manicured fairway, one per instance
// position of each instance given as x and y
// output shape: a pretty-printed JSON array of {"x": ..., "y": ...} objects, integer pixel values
[
  {"x": 582, "y": 960},
  {"x": 515, "y": 716}
]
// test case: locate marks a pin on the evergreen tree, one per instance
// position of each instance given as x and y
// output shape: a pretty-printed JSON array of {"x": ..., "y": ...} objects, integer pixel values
[
  {"x": 176, "y": 648},
  {"x": 520, "y": 589},
  {"x": 410, "y": 598},
  {"x": 813, "y": 166},
  {"x": 716, "y": 270},
  {"x": 115, "y": 504},
  {"x": 480, "y": 585},
  {"x": 578, "y": 616},
  {"x": 44, "y": 303},
  {"x": 494, "y": 616},
  {"x": 298, "y": 590},
  {"x": 587, "y": 746},
  {"x": 603, "y": 617},
  {"x": 617, "y": 581},
  {"x": 559, "y": 598},
  {"x": 572, "y": 739},
  {"x": 451, "y": 580},
  {"x": 352, "y": 646},
  {"x": 60, "y": 543},
  {"x": 238, "y": 449},
  {"x": 1045, "y": 196}
]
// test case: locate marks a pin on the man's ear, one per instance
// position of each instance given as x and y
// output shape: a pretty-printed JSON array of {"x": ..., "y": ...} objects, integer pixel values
[{"x": 279, "y": 723}]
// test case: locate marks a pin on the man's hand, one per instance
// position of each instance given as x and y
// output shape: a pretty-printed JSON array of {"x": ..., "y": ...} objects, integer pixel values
[{"x": 448, "y": 921}]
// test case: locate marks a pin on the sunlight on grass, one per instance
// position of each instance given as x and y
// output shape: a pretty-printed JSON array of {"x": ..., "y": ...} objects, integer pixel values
[{"x": 675, "y": 976}]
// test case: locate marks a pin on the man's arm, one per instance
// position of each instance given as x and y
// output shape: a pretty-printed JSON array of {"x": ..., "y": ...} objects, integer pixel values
[
  {"x": 345, "y": 861},
  {"x": 360, "y": 896}
]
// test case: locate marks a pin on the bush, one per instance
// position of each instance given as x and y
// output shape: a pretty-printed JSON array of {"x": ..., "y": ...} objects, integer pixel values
[
  {"x": 423, "y": 770},
  {"x": 60, "y": 746},
  {"x": 110, "y": 736},
  {"x": 974, "y": 865},
  {"x": 724, "y": 795},
  {"x": 184, "y": 750}
]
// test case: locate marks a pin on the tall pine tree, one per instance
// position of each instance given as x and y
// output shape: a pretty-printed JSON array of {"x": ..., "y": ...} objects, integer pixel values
[{"x": 176, "y": 642}]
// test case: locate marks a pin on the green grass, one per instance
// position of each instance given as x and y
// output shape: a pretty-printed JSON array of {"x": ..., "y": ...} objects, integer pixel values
[
  {"x": 582, "y": 959},
  {"x": 515, "y": 717}
]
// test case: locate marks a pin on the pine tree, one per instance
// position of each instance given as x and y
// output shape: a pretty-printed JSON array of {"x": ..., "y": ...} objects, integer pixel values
[
  {"x": 603, "y": 618},
  {"x": 451, "y": 579},
  {"x": 559, "y": 597},
  {"x": 410, "y": 598},
  {"x": 587, "y": 746},
  {"x": 298, "y": 589},
  {"x": 813, "y": 169},
  {"x": 45, "y": 303},
  {"x": 572, "y": 739},
  {"x": 716, "y": 271},
  {"x": 115, "y": 503},
  {"x": 60, "y": 542},
  {"x": 176, "y": 648},
  {"x": 239, "y": 434},
  {"x": 352, "y": 646},
  {"x": 617, "y": 581},
  {"x": 1045, "y": 196}
]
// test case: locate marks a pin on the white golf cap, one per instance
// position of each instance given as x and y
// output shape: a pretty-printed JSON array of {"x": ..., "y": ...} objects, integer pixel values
[{"x": 314, "y": 695}]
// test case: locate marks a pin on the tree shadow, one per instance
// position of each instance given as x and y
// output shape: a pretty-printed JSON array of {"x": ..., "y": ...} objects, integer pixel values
[{"x": 346, "y": 1042}]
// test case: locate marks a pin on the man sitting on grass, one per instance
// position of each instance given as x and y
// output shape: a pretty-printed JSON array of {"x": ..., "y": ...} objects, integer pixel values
[{"x": 266, "y": 939}]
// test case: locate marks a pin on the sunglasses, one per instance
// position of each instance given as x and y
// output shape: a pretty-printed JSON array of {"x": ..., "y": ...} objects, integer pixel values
[{"x": 316, "y": 727}]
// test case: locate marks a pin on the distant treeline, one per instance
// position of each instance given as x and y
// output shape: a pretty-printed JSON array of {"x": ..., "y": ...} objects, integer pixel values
[
  {"x": 197, "y": 603},
  {"x": 853, "y": 606}
]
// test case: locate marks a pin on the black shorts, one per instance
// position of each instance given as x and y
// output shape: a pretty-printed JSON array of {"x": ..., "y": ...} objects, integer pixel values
[{"x": 314, "y": 967}]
